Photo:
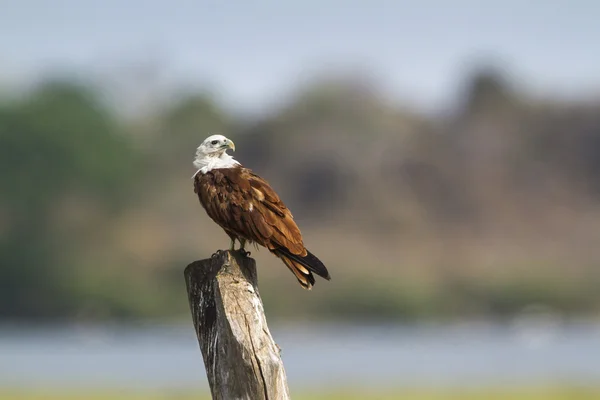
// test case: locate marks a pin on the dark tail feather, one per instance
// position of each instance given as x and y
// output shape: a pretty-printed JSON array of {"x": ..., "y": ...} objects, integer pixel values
[
  {"x": 310, "y": 261},
  {"x": 306, "y": 279}
]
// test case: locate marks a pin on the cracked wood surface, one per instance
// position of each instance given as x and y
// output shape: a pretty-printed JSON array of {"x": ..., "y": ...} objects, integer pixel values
[{"x": 241, "y": 358}]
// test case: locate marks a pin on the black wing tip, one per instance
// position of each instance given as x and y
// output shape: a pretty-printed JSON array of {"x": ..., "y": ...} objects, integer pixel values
[
  {"x": 310, "y": 261},
  {"x": 319, "y": 267}
]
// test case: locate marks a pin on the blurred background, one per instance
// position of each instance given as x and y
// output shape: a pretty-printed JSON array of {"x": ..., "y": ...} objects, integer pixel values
[{"x": 441, "y": 158}]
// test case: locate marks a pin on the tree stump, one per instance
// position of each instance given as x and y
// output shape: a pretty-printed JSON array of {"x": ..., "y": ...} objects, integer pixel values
[{"x": 241, "y": 358}]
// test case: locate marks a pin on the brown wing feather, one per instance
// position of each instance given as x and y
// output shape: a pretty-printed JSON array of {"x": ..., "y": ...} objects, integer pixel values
[
  {"x": 240, "y": 201},
  {"x": 247, "y": 207},
  {"x": 274, "y": 212}
]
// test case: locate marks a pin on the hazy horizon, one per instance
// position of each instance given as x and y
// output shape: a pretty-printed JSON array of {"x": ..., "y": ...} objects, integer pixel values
[{"x": 252, "y": 54}]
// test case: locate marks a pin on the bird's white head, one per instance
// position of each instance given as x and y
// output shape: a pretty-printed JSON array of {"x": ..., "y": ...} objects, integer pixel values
[
  {"x": 212, "y": 154},
  {"x": 214, "y": 145}
]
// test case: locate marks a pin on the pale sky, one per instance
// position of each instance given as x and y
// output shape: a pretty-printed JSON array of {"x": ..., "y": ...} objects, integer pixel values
[{"x": 252, "y": 51}]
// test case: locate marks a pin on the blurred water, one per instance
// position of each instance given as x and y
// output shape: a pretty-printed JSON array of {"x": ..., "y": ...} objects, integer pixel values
[{"x": 315, "y": 355}]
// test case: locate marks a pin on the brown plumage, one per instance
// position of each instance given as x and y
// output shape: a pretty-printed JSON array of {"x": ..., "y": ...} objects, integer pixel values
[{"x": 248, "y": 209}]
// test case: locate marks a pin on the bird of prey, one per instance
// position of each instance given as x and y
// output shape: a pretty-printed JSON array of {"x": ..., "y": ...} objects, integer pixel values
[{"x": 249, "y": 210}]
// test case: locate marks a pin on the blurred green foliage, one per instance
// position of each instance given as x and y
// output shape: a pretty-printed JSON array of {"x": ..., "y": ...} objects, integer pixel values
[
  {"x": 57, "y": 141},
  {"x": 480, "y": 212}
]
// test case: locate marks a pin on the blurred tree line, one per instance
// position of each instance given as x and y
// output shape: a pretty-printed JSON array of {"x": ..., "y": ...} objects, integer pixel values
[
  {"x": 482, "y": 210},
  {"x": 60, "y": 149}
]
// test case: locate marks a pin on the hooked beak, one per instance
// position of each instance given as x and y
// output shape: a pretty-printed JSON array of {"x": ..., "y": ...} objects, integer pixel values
[{"x": 229, "y": 145}]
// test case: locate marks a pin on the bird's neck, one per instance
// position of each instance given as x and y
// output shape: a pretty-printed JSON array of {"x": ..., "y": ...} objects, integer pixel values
[{"x": 208, "y": 162}]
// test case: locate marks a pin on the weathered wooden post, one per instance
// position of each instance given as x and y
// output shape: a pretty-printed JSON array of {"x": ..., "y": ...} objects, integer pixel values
[{"x": 241, "y": 358}]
